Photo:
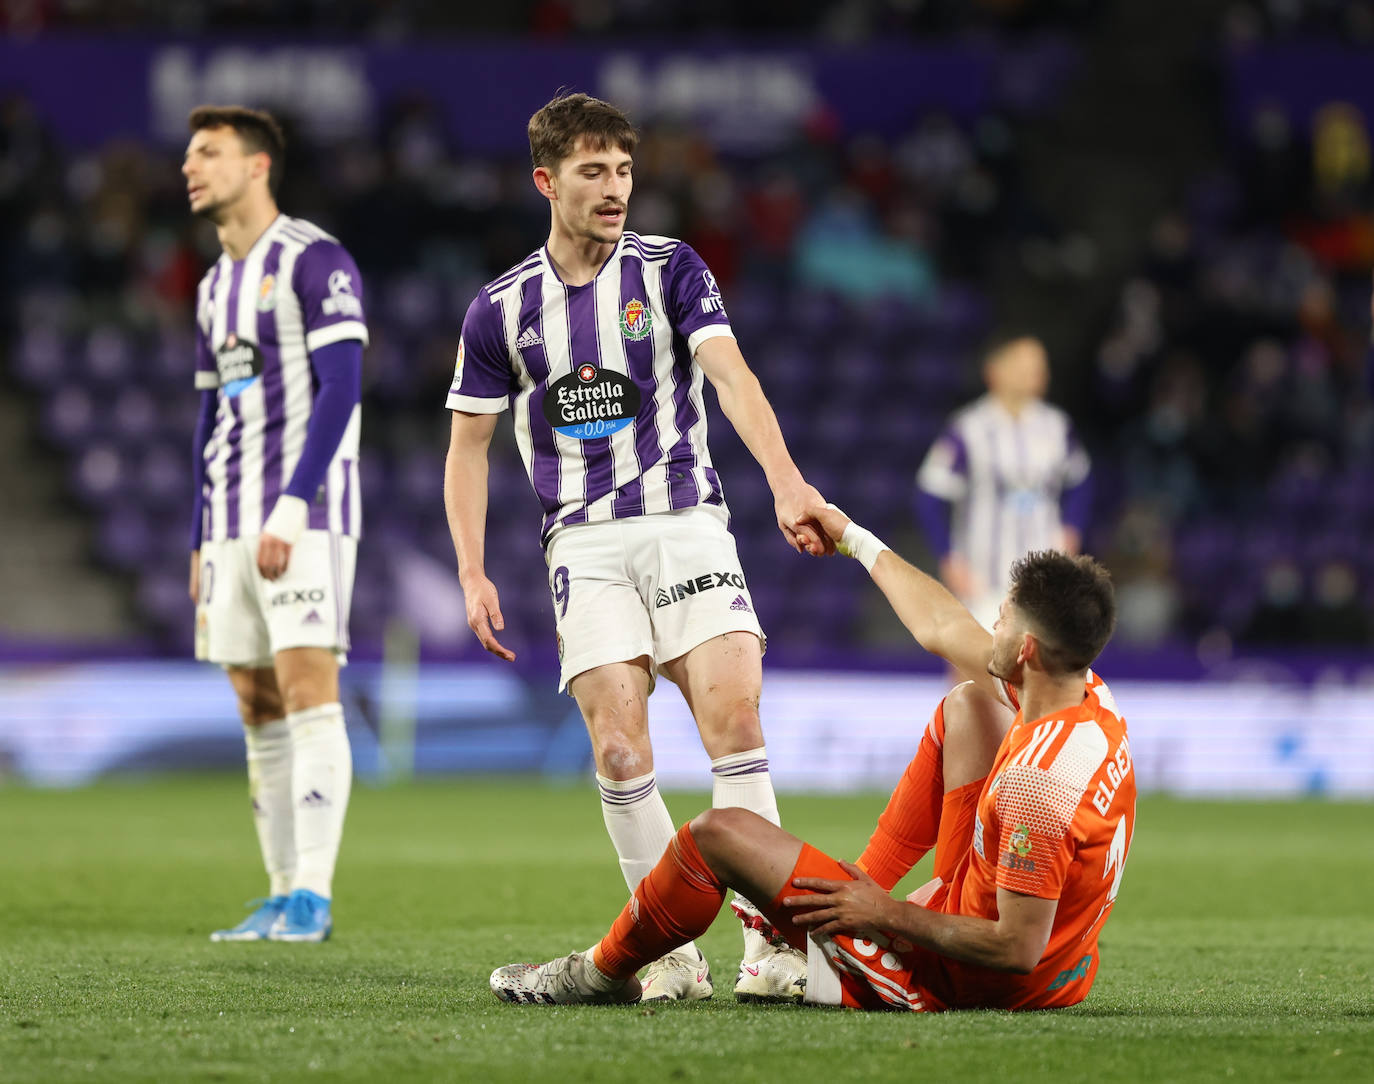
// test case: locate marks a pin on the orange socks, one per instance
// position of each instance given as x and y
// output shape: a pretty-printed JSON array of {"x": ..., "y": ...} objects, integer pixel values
[
  {"x": 910, "y": 824},
  {"x": 676, "y": 902}
]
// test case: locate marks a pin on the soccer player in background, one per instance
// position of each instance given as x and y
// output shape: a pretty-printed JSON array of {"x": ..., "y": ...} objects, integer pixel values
[
  {"x": 1007, "y": 476},
  {"x": 1022, "y": 784},
  {"x": 598, "y": 342},
  {"x": 280, "y": 333}
]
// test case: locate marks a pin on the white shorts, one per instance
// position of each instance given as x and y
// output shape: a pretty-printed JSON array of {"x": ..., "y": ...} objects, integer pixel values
[
  {"x": 244, "y": 619},
  {"x": 655, "y": 585}
]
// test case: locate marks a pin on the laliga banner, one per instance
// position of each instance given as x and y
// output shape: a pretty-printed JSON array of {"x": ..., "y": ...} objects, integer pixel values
[
  {"x": 827, "y": 731},
  {"x": 745, "y": 99}
]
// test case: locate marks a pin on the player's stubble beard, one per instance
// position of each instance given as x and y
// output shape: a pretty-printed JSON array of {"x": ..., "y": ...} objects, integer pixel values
[
  {"x": 219, "y": 211},
  {"x": 1003, "y": 666}
]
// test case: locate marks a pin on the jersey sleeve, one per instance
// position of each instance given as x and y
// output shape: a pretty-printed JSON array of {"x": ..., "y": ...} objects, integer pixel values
[
  {"x": 331, "y": 294},
  {"x": 1036, "y": 809},
  {"x": 944, "y": 471},
  {"x": 207, "y": 372},
  {"x": 693, "y": 298},
  {"x": 482, "y": 375}
]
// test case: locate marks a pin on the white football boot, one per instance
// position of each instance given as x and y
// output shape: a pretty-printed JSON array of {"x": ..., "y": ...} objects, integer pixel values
[
  {"x": 571, "y": 980},
  {"x": 771, "y": 970},
  {"x": 678, "y": 976}
]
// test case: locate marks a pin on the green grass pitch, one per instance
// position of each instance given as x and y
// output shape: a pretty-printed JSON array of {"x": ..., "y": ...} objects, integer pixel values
[{"x": 1242, "y": 947}]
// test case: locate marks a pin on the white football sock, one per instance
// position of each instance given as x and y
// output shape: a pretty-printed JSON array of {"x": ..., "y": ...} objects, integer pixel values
[
  {"x": 269, "y": 787},
  {"x": 638, "y": 824},
  {"x": 742, "y": 780},
  {"x": 321, "y": 778}
]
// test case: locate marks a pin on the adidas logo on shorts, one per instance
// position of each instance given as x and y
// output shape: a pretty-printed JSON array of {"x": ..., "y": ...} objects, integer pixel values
[
  {"x": 741, "y": 604},
  {"x": 312, "y": 618},
  {"x": 528, "y": 337}
]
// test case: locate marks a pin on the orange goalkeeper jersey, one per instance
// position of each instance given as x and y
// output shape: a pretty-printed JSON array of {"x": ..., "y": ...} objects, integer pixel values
[{"x": 1054, "y": 820}]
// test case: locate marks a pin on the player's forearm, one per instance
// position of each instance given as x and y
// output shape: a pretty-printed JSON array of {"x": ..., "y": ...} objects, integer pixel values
[
  {"x": 465, "y": 501},
  {"x": 205, "y": 420},
  {"x": 924, "y": 605},
  {"x": 979, "y": 941},
  {"x": 746, "y": 407},
  {"x": 338, "y": 368}
]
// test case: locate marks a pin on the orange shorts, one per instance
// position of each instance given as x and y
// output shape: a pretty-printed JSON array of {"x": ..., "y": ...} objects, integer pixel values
[{"x": 887, "y": 972}]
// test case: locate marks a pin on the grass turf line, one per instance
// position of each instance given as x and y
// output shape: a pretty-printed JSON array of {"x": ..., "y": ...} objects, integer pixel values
[{"x": 1242, "y": 947}]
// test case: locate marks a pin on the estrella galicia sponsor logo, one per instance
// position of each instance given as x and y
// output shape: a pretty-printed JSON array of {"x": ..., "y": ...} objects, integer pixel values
[
  {"x": 1073, "y": 974},
  {"x": 666, "y": 596},
  {"x": 712, "y": 302},
  {"x": 293, "y": 597},
  {"x": 635, "y": 320},
  {"x": 591, "y": 402},
  {"x": 239, "y": 363}
]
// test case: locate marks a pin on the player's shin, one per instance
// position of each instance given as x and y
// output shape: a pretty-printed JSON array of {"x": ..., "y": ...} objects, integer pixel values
[
  {"x": 639, "y": 826},
  {"x": 910, "y": 825},
  {"x": 269, "y": 786},
  {"x": 743, "y": 781},
  {"x": 322, "y": 777},
  {"x": 676, "y": 902}
]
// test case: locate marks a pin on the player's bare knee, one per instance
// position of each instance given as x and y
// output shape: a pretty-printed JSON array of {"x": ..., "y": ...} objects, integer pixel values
[
  {"x": 622, "y": 760},
  {"x": 711, "y": 827},
  {"x": 732, "y": 728},
  {"x": 975, "y": 724}
]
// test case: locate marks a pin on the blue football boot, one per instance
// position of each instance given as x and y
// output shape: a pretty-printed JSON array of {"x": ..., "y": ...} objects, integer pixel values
[
  {"x": 304, "y": 918},
  {"x": 257, "y": 925}
]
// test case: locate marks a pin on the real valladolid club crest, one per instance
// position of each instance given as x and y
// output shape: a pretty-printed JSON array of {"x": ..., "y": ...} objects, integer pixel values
[
  {"x": 635, "y": 321},
  {"x": 267, "y": 293}
]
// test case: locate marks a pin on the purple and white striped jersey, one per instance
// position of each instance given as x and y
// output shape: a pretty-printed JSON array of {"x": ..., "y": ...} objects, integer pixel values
[
  {"x": 257, "y": 320},
  {"x": 607, "y": 401},
  {"x": 1004, "y": 476}
]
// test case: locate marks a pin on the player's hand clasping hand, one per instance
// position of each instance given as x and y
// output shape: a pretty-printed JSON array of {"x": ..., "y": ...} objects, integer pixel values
[
  {"x": 484, "y": 615},
  {"x": 793, "y": 509},
  {"x": 859, "y": 907},
  {"x": 830, "y": 520}
]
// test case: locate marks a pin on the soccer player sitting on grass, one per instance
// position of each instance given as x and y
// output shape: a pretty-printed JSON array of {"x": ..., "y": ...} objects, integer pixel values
[{"x": 1022, "y": 784}]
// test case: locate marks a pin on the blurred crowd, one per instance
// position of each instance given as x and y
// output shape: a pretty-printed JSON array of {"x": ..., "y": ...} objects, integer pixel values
[{"x": 1231, "y": 422}]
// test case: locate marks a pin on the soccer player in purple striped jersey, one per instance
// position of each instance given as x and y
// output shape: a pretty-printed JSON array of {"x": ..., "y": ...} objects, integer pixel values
[
  {"x": 280, "y": 333},
  {"x": 598, "y": 344},
  {"x": 1005, "y": 478}
]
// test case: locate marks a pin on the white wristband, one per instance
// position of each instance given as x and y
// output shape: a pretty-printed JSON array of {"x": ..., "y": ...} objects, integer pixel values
[
  {"x": 288, "y": 519},
  {"x": 861, "y": 544}
]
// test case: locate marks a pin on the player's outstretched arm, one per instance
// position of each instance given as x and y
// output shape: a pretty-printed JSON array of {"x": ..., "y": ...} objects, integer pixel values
[
  {"x": 1014, "y": 941},
  {"x": 742, "y": 401},
  {"x": 940, "y": 622},
  {"x": 465, "y": 500}
]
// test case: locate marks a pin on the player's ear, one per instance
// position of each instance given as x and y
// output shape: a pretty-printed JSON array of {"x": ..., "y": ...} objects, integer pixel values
[
  {"x": 546, "y": 183},
  {"x": 1030, "y": 649}
]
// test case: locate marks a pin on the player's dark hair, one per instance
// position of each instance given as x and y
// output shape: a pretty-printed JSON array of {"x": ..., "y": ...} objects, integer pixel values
[
  {"x": 257, "y": 130},
  {"x": 1071, "y": 606},
  {"x": 556, "y": 128}
]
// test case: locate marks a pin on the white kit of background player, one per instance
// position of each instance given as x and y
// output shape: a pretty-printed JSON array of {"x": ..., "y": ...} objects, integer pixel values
[{"x": 280, "y": 333}]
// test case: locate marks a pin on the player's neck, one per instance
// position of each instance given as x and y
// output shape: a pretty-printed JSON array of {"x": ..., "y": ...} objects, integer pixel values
[
  {"x": 1012, "y": 404},
  {"x": 577, "y": 259},
  {"x": 1042, "y": 695},
  {"x": 243, "y": 224}
]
